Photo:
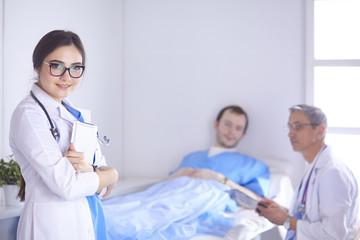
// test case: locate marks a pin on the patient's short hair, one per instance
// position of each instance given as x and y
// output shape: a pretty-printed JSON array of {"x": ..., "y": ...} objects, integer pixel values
[
  {"x": 315, "y": 115},
  {"x": 234, "y": 109}
]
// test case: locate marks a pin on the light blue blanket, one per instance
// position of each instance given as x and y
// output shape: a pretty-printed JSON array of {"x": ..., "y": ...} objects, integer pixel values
[{"x": 175, "y": 209}]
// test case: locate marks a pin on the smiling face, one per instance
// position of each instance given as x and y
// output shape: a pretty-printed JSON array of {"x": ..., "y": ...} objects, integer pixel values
[
  {"x": 229, "y": 129},
  {"x": 60, "y": 87}
]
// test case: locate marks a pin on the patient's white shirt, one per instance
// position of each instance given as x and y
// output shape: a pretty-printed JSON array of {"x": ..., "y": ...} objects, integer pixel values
[{"x": 214, "y": 150}]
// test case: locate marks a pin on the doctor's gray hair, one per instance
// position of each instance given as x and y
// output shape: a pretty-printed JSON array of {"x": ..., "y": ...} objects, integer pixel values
[
  {"x": 315, "y": 115},
  {"x": 53, "y": 40}
]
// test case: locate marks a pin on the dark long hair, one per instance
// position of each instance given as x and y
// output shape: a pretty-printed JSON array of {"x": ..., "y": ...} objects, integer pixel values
[{"x": 46, "y": 45}]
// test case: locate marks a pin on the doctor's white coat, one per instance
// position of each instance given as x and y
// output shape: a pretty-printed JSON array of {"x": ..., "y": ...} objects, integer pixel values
[
  {"x": 55, "y": 202},
  {"x": 331, "y": 209}
]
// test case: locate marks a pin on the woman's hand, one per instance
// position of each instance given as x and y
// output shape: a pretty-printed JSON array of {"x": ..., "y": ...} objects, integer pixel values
[
  {"x": 77, "y": 160},
  {"x": 108, "y": 190},
  {"x": 108, "y": 177}
]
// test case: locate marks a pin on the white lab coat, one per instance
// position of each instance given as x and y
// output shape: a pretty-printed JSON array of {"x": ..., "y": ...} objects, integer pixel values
[
  {"x": 331, "y": 209},
  {"x": 55, "y": 203}
]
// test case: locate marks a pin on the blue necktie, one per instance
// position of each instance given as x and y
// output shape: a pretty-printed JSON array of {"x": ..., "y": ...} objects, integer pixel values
[{"x": 97, "y": 213}]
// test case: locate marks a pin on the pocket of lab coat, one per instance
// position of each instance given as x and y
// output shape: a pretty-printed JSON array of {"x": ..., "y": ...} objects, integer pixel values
[{"x": 58, "y": 220}]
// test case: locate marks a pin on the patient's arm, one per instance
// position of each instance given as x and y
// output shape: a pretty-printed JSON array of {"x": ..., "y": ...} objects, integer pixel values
[
  {"x": 182, "y": 172},
  {"x": 205, "y": 174},
  {"x": 208, "y": 174}
]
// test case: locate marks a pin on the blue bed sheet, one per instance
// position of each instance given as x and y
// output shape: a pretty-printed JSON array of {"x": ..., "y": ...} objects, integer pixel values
[{"x": 175, "y": 209}]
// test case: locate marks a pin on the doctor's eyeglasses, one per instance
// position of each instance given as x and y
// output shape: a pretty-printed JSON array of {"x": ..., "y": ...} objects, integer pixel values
[
  {"x": 298, "y": 126},
  {"x": 58, "y": 70}
]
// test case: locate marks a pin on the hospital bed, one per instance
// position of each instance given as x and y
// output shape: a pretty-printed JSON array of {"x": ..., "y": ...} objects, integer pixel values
[{"x": 280, "y": 188}]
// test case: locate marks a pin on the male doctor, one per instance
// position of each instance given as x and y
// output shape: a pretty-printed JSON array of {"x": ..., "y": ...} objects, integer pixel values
[{"x": 325, "y": 206}]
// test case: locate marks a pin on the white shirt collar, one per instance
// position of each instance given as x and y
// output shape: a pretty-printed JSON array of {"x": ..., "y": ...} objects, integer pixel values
[{"x": 217, "y": 150}]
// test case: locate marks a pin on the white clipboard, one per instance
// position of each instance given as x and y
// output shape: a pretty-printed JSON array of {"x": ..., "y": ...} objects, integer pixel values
[{"x": 84, "y": 138}]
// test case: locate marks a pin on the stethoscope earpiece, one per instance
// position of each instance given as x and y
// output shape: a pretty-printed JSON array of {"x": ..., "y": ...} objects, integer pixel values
[{"x": 105, "y": 141}]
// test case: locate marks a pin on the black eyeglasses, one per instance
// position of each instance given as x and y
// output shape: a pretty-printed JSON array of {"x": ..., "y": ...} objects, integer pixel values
[
  {"x": 298, "y": 126},
  {"x": 58, "y": 70}
]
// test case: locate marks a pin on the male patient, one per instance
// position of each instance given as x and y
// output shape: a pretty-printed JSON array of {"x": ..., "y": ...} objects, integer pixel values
[
  {"x": 186, "y": 207},
  {"x": 223, "y": 163}
]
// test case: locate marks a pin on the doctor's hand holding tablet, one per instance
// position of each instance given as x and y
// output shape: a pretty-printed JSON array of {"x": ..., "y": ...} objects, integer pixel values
[{"x": 61, "y": 182}]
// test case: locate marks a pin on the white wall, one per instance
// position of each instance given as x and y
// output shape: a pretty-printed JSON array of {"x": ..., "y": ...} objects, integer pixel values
[
  {"x": 184, "y": 60},
  {"x": 1, "y": 80},
  {"x": 167, "y": 67},
  {"x": 99, "y": 24}
]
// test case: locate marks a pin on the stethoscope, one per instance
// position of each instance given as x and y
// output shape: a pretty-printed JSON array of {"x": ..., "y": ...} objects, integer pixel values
[
  {"x": 105, "y": 141},
  {"x": 301, "y": 209}
]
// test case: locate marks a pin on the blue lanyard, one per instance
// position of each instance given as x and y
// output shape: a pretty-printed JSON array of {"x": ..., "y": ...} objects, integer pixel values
[{"x": 97, "y": 213}]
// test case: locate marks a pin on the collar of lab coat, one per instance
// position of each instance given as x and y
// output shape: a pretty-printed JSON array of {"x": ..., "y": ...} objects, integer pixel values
[
  {"x": 51, "y": 105},
  {"x": 321, "y": 158}
]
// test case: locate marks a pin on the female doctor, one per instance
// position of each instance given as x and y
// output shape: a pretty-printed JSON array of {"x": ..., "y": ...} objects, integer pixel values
[{"x": 60, "y": 188}]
